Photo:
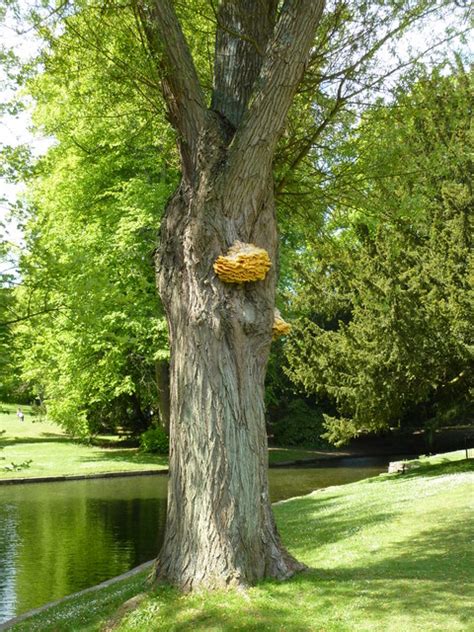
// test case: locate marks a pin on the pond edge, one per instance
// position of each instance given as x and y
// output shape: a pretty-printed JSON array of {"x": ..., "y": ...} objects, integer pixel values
[
  {"x": 77, "y": 477},
  {"x": 108, "y": 582},
  {"x": 81, "y": 477}
]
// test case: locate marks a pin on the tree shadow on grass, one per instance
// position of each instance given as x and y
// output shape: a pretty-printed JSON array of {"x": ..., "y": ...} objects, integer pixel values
[
  {"x": 321, "y": 521},
  {"x": 428, "y": 575},
  {"x": 317, "y": 522},
  {"x": 422, "y": 580},
  {"x": 47, "y": 437}
]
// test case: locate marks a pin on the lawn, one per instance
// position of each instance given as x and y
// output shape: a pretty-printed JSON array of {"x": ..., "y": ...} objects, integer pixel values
[
  {"x": 388, "y": 554},
  {"x": 36, "y": 448}
]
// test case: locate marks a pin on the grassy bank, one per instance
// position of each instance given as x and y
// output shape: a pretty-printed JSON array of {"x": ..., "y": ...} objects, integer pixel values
[
  {"x": 36, "y": 448},
  {"x": 386, "y": 554}
]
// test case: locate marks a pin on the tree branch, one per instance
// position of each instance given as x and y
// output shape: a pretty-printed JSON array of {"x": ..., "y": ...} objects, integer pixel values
[
  {"x": 19, "y": 319},
  {"x": 251, "y": 152},
  {"x": 345, "y": 75},
  {"x": 313, "y": 137},
  {"x": 179, "y": 80},
  {"x": 243, "y": 30}
]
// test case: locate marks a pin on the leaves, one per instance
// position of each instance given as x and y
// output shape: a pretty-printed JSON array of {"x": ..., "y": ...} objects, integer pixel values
[
  {"x": 95, "y": 202},
  {"x": 95, "y": 199},
  {"x": 386, "y": 333}
]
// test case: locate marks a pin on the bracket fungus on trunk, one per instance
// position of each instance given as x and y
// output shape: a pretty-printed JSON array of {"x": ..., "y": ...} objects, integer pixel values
[
  {"x": 242, "y": 263},
  {"x": 280, "y": 326}
]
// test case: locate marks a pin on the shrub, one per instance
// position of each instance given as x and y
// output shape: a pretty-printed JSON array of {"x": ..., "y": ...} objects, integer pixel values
[
  {"x": 154, "y": 440},
  {"x": 301, "y": 425}
]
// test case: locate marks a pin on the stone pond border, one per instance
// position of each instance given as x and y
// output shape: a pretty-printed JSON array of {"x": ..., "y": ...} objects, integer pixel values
[{"x": 77, "y": 477}]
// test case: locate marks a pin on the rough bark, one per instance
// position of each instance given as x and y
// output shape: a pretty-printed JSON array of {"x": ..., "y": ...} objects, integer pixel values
[
  {"x": 243, "y": 31},
  {"x": 220, "y": 529},
  {"x": 163, "y": 387},
  {"x": 179, "y": 81}
]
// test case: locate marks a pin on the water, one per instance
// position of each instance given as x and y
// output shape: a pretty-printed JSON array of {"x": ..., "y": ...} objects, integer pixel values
[{"x": 58, "y": 538}]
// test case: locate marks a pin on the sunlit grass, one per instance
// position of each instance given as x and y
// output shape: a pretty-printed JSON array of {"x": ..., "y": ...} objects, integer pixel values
[
  {"x": 388, "y": 554},
  {"x": 84, "y": 612},
  {"x": 53, "y": 453},
  {"x": 427, "y": 461}
]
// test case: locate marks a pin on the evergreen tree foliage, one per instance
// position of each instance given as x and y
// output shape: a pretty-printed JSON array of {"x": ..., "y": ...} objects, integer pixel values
[{"x": 387, "y": 298}]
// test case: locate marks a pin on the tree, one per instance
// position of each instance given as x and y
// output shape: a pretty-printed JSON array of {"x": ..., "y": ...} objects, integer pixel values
[
  {"x": 387, "y": 333},
  {"x": 89, "y": 330},
  {"x": 12, "y": 388},
  {"x": 220, "y": 529},
  {"x": 9, "y": 382}
]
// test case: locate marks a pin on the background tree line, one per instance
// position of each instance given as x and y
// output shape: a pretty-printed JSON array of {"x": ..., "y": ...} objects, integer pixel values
[
  {"x": 385, "y": 295},
  {"x": 375, "y": 212}
]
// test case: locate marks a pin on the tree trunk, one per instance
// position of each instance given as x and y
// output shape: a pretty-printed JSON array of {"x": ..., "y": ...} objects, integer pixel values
[
  {"x": 162, "y": 370},
  {"x": 220, "y": 530},
  {"x": 139, "y": 422}
]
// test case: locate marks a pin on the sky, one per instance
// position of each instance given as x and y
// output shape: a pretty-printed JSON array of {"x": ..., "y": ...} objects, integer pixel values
[{"x": 15, "y": 130}]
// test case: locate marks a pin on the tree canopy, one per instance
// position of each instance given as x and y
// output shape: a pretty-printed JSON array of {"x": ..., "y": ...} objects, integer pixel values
[
  {"x": 387, "y": 333},
  {"x": 96, "y": 332},
  {"x": 97, "y": 96}
]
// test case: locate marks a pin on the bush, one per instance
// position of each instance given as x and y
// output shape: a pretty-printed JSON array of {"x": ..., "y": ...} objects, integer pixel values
[
  {"x": 154, "y": 440},
  {"x": 301, "y": 425}
]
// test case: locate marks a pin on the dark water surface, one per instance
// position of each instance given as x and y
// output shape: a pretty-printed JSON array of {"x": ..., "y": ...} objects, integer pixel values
[{"x": 58, "y": 538}]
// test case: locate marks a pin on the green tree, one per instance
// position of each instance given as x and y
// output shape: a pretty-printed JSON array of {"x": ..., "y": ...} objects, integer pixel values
[
  {"x": 12, "y": 388},
  {"x": 7, "y": 370},
  {"x": 388, "y": 299},
  {"x": 92, "y": 332},
  {"x": 229, "y": 110}
]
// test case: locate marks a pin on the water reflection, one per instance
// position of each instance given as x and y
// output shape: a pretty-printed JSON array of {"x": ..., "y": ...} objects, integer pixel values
[
  {"x": 288, "y": 482},
  {"x": 58, "y": 538},
  {"x": 8, "y": 549}
]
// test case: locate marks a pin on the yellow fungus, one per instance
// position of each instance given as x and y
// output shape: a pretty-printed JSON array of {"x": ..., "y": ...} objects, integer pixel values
[
  {"x": 242, "y": 263},
  {"x": 280, "y": 326}
]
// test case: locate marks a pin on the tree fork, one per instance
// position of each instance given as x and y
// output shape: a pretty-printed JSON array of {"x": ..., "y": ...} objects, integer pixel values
[{"x": 220, "y": 529}]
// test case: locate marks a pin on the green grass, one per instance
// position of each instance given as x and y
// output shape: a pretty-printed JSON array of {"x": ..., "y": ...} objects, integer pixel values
[
  {"x": 53, "y": 453},
  {"x": 388, "y": 554},
  {"x": 84, "y": 612},
  {"x": 427, "y": 463}
]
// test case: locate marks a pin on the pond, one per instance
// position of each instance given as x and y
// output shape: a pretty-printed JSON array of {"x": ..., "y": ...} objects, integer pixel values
[{"x": 58, "y": 538}]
